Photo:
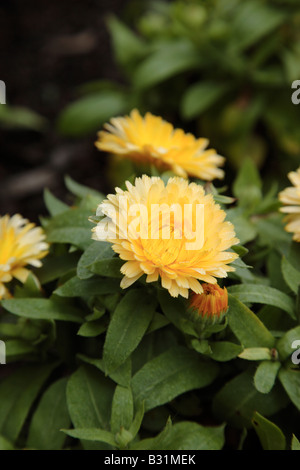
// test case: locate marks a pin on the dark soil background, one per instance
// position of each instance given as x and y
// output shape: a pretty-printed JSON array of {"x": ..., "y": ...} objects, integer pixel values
[{"x": 47, "y": 49}]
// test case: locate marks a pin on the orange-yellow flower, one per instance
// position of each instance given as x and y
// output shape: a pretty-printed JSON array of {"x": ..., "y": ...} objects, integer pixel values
[
  {"x": 21, "y": 244},
  {"x": 155, "y": 141},
  {"x": 211, "y": 305},
  {"x": 182, "y": 249},
  {"x": 290, "y": 197}
]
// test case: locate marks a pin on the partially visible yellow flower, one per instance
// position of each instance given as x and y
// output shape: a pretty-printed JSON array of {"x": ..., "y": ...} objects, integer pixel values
[
  {"x": 180, "y": 258},
  {"x": 291, "y": 198},
  {"x": 21, "y": 244},
  {"x": 155, "y": 141},
  {"x": 211, "y": 305}
]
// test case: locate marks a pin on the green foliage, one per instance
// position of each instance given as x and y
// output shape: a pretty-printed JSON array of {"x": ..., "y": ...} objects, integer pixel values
[
  {"x": 270, "y": 436},
  {"x": 93, "y": 366},
  {"x": 216, "y": 67}
]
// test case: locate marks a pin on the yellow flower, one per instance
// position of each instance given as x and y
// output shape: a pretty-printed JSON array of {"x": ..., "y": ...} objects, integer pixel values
[
  {"x": 174, "y": 244},
  {"x": 21, "y": 244},
  {"x": 211, "y": 305},
  {"x": 291, "y": 198},
  {"x": 155, "y": 141}
]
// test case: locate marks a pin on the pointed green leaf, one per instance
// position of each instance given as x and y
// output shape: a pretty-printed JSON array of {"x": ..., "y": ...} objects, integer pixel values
[
  {"x": 76, "y": 287},
  {"x": 89, "y": 399},
  {"x": 43, "y": 309},
  {"x": 271, "y": 437},
  {"x": 54, "y": 205},
  {"x": 185, "y": 436},
  {"x": 295, "y": 443},
  {"x": 290, "y": 274},
  {"x": 256, "y": 354},
  {"x": 247, "y": 327},
  {"x": 50, "y": 416},
  {"x": 170, "y": 374},
  {"x": 201, "y": 96},
  {"x": 236, "y": 402},
  {"x": 122, "y": 409},
  {"x": 290, "y": 380},
  {"x": 91, "y": 434},
  {"x": 95, "y": 252},
  {"x": 127, "y": 327},
  {"x": 224, "y": 351},
  {"x": 17, "y": 394},
  {"x": 255, "y": 293},
  {"x": 265, "y": 376}
]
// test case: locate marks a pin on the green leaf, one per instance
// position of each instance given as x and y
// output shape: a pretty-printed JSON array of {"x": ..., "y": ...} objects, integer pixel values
[
  {"x": 290, "y": 274},
  {"x": 170, "y": 374},
  {"x": 295, "y": 443},
  {"x": 121, "y": 376},
  {"x": 77, "y": 236},
  {"x": 270, "y": 231},
  {"x": 91, "y": 329},
  {"x": 91, "y": 434},
  {"x": 31, "y": 288},
  {"x": 50, "y": 416},
  {"x": 236, "y": 402},
  {"x": 87, "y": 114},
  {"x": 82, "y": 191},
  {"x": 253, "y": 21},
  {"x": 245, "y": 230},
  {"x": 43, "y": 309},
  {"x": 256, "y": 354},
  {"x": 158, "y": 321},
  {"x": 127, "y": 327},
  {"x": 271, "y": 437},
  {"x": 137, "y": 422},
  {"x": 108, "y": 267},
  {"x": 55, "y": 267},
  {"x": 185, "y": 436},
  {"x": 17, "y": 394},
  {"x": 95, "y": 252},
  {"x": 127, "y": 46},
  {"x": 263, "y": 295},
  {"x": 247, "y": 186},
  {"x": 5, "y": 444},
  {"x": 17, "y": 116},
  {"x": 76, "y": 287},
  {"x": 265, "y": 376},
  {"x": 54, "y": 205},
  {"x": 73, "y": 217},
  {"x": 285, "y": 346},
  {"x": 89, "y": 399},
  {"x": 247, "y": 327},
  {"x": 174, "y": 310},
  {"x": 290, "y": 380},
  {"x": 167, "y": 60},
  {"x": 71, "y": 227},
  {"x": 224, "y": 351},
  {"x": 16, "y": 348},
  {"x": 201, "y": 96},
  {"x": 122, "y": 409}
]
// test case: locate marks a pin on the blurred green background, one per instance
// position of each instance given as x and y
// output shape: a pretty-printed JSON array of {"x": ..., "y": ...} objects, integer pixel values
[{"x": 220, "y": 69}]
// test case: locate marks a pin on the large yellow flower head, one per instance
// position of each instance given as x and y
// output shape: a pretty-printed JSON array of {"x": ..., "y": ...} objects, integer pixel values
[
  {"x": 155, "y": 141},
  {"x": 174, "y": 232},
  {"x": 291, "y": 198},
  {"x": 21, "y": 244}
]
